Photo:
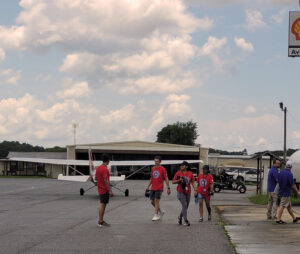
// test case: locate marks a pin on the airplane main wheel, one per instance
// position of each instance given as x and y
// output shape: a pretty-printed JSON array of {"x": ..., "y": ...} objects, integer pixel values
[
  {"x": 126, "y": 193},
  {"x": 81, "y": 191}
]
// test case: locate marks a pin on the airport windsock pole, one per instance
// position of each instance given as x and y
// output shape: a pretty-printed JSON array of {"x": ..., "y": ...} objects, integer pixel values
[{"x": 284, "y": 109}]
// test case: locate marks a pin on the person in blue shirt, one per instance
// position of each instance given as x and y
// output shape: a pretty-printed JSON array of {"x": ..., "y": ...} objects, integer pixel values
[
  {"x": 286, "y": 184},
  {"x": 273, "y": 196}
]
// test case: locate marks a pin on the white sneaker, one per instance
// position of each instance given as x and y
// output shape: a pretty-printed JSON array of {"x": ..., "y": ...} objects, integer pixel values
[
  {"x": 161, "y": 213},
  {"x": 156, "y": 217}
]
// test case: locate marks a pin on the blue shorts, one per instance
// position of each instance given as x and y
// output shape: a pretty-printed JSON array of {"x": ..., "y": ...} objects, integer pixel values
[
  {"x": 155, "y": 194},
  {"x": 203, "y": 197}
]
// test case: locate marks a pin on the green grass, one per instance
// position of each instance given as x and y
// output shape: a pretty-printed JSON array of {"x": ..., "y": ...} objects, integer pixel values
[{"x": 263, "y": 200}]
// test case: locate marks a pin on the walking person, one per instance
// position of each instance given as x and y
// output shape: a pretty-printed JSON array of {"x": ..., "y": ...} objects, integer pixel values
[
  {"x": 205, "y": 191},
  {"x": 286, "y": 184},
  {"x": 158, "y": 176},
  {"x": 273, "y": 195},
  {"x": 184, "y": 178},
  {"x": 103, "y": 185}
]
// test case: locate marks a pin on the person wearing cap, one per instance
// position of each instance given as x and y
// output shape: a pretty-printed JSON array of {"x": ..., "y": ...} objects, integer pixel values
[
  {"x": 273, "y": 195},
  {"x": 184, "y": 178},
  {"x": 286, "y": 183},
  {"x": 205, "y": 191}
]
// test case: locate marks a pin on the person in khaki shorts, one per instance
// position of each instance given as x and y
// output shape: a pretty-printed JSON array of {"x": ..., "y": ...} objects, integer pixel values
[
  {"x": 286, "y": 183},
  {"x": 273, "y": 196}
]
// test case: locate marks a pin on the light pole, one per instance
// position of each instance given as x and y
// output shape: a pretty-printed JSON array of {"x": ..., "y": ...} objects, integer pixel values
[{"x": 284, "y": 109}]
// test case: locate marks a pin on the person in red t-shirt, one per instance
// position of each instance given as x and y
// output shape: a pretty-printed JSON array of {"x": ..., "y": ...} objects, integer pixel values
[
  {"x": 158, "y": 176},
  {"x": 104, "y": 191},
  {"x": 205, "y": 191},
  {"x": 184, "y": 178}
]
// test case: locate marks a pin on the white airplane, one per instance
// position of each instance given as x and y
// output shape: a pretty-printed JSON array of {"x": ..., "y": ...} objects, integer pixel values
[{"x": 114, "y": 180}]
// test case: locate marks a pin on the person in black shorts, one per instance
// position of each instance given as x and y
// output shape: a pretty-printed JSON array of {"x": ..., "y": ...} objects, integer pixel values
[{"x": 103, "y": 184}]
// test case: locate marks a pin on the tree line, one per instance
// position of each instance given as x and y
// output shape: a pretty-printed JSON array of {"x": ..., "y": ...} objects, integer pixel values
[
  {"x": 181, "y": 133},
  {"x": 16, "y": 146}
]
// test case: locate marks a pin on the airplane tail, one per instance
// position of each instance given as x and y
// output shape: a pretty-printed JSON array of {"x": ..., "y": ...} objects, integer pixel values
[{"x": 91, "y": 163}]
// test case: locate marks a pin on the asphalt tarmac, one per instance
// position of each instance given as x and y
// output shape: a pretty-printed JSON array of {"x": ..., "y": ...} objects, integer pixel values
[{"x": 49, "y": 216}]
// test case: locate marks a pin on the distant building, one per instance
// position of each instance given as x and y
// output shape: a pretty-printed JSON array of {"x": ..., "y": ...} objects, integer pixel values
[
  {"x": 11, "y": 167},
  {"x": 247, "y": 161},
  {"x": 127, "y": 150}
]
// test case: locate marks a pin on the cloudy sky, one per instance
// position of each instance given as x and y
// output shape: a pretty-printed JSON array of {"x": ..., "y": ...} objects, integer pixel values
[{"x": 123, "y": 69}]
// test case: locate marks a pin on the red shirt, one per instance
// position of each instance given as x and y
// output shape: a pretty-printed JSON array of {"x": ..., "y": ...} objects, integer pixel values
[
  {"x": 189, "y": 178},
  {"x": 101, "y": 174},
  {"x": 204, "y": 183},
  {"x": 158, "y": 175}
]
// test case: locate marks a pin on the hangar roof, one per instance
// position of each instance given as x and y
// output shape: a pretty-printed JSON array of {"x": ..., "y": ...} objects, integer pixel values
[{"x": 137, "y": 146}]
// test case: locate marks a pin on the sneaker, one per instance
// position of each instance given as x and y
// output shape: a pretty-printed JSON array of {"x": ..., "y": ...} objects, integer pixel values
[
  {"x": 209, "y": 217},
  {"x": 161, "y": 213},
  {"x": 103, "y": 224},
  {"x": 296, "y": 220},
  {"x": 201, "y": 220},
  {"x": 179, "y": 220},
  {"x": 186, "y": 223},
  {"x": 156, "y": 217},
  {"x": 280, "y": 222}
]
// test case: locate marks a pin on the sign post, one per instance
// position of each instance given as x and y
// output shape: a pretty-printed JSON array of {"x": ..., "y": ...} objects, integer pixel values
[{"x": 294, "y": 34}]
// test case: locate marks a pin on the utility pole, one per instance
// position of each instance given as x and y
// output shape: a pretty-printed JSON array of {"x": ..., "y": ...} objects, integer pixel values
[
  {"x": 284, "y": 109},
  {"x": 75, "y": 125}
]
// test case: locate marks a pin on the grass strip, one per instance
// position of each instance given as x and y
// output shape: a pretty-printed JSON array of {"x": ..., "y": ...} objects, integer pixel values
[{"x": 262, "y": 199}]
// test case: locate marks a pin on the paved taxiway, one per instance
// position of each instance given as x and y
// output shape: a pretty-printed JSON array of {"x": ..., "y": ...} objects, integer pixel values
[{"x": 49, "y": 216}]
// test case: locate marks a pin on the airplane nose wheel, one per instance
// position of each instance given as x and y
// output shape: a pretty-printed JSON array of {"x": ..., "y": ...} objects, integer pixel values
[
  {"x": 81, "y": 191},
  {"x": 126, "y": 193}
]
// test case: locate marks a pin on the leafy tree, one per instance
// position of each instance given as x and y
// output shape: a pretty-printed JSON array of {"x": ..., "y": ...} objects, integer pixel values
[
  {"x": 183, "y": 133},
  {"x": 16, "y": 146},
  {"x": 56, "y": 149},
  {"x": 222, "y": 152}
]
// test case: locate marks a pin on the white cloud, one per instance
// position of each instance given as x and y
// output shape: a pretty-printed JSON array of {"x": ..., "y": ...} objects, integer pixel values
[
  {"x": 44, "y": 122},
  {"x": 213, "y": 45},
  {"x": 261, "y": 141},
  {"x": 120, "y": 115},
  {"x": 253, "y": 133},
  {"x": 279, "y": 17},
  {"x": 245, "y": 46},
  {"x": 10, "y": 77},
  {"x": 12, "y": 37},
  {"x": 254, "y": 20},
  {"x": 217, "y": 51},
  {"x": 43, "y": 78},
  {"x": 269, "y": 3},
  {"x": 108, "y": 41},
  {"x": 29, "y": 119},
  {"x": 76, "y": 90},
  {"x": 169, "y": 83},
  {"x": 2, "y": 55},
  {"x": 102, "y": 25},
  {"x": 250, "y": 109}
]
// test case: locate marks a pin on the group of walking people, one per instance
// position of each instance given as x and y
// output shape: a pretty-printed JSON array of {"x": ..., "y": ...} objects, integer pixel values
[
  {"x": 185, "y": 180},
  {"x": 280, "y": 184}
]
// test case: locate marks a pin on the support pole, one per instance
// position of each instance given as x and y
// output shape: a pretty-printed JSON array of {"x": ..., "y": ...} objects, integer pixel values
[{"x": 284, "y": 145}]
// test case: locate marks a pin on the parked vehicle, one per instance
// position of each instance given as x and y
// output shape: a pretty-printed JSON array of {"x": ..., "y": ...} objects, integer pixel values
[
  {"x": 228, "y": 183},
  {"x": 243, "y": 174}
]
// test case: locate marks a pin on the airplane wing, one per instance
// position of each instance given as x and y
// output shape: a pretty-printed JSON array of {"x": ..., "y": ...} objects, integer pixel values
[
  {"x": 97, "y": 163},
  {"x": 53, "y": 161},
  {"x": 86, "y": 178}
]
